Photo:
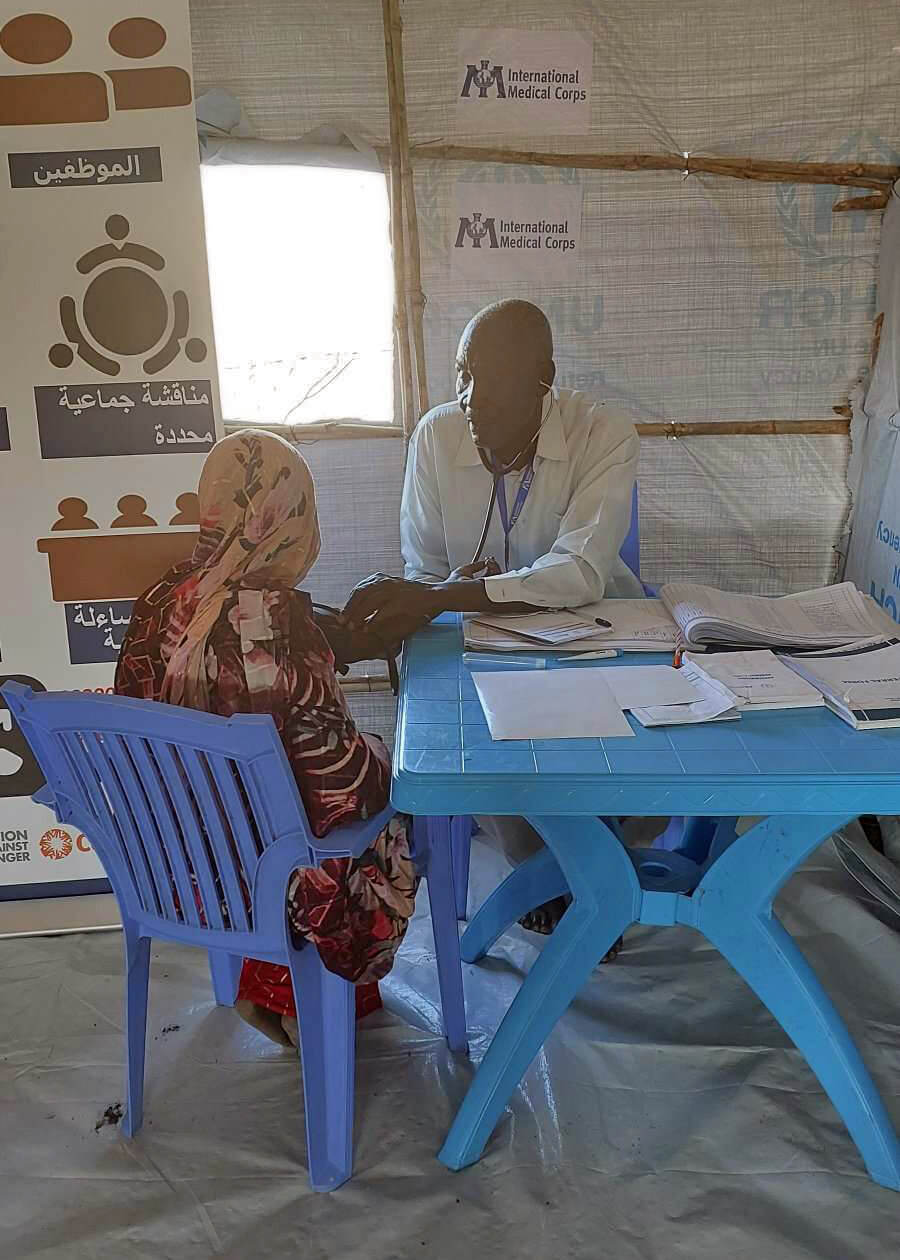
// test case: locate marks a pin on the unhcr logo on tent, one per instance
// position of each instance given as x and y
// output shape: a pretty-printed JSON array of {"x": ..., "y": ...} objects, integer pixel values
[{"x": 484, "y": 77}]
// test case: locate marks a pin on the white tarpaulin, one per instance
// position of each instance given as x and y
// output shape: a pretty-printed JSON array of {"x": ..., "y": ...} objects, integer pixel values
[
  {"x": 666, "y": 1118},
  {"x": 873, "y": 562},
  {"x": 695, "y": 298}
]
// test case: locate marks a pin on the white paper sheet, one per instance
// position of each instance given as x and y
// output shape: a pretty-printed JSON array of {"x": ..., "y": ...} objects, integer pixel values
[
  {"x": 716, "y": 704},
  {"x": 642, "y": 685},
  {"x": 759, "y": 680},
  {"x": 551, "y": 704}
]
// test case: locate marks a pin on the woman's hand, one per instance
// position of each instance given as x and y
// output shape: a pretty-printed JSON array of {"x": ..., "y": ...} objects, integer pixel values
[{"x": 487, "y": 566}]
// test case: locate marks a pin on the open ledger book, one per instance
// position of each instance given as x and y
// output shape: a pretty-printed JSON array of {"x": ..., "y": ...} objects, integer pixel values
[
  {"x": 635, "y": 625},
  {"x": 829, "y": 617}
]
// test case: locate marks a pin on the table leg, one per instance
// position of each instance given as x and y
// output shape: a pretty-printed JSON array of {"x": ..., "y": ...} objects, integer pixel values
[
  {"x": 535, "y": 881},
  {"x": 732, "y": 907},
  {"x": 606, "y": 900}
]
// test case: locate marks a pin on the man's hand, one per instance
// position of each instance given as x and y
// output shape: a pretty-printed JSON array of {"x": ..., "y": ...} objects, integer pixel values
[
  {"x": 349, "y": 644},
  {"x": 486, "y": 567},
  {"x": 391, "y": 608}
]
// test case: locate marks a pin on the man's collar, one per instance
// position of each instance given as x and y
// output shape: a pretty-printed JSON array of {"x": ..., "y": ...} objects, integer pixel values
[{"x": 551, "y": 441}]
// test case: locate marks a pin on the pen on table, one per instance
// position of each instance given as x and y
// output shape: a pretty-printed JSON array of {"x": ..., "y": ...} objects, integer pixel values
[{"x": 533, "y": 662}]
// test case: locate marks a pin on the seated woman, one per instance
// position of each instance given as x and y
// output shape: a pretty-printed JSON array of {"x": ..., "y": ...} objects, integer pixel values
[{"x": 227, "y": 632}]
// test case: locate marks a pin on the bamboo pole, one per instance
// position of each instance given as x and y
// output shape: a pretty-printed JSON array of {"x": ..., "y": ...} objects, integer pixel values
[
  {"x": 848, "y": 174},
  {"x": 732, "y": 428},
  {"x": 398, "y": 249},
  {"x": 393, "y": 36},
  {"x": 331, "y": 429},
  {"x": 876, "y": 201}
]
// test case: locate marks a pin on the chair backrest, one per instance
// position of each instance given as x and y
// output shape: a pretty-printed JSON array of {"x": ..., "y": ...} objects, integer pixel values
[
  {"x": 196, "y": 818},
  {"x": 630, "y": 551}
]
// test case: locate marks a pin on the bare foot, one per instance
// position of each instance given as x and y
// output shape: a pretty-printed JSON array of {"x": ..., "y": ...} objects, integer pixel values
[{"x": 545, "y": 918}]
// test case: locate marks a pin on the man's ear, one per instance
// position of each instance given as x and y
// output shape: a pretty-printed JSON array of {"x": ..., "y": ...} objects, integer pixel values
[{"x": 549, "y": 375}]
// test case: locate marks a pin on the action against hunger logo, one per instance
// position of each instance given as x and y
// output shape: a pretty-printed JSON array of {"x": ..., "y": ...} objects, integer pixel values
[
  {"x": 476, "y": 229},
  {"x": 56, "y": 844},
  {"x": 483, "y": 77}
]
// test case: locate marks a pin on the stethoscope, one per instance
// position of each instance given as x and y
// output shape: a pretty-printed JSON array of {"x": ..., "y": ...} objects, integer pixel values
[{"x": 501, "y": 471}]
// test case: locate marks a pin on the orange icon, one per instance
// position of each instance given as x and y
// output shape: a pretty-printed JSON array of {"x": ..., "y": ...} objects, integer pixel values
[{"x": 55, "y": 844}]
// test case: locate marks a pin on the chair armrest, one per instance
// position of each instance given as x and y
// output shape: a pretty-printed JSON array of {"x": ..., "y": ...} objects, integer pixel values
[
  {"x": 353, "y": 838},
  {"x": 45, "y": 796}
]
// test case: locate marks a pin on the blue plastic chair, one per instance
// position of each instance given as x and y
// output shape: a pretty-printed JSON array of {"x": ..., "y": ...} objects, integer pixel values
[
  {"x": 199, "y": 824},
  {"x": 462, "y": 828}
]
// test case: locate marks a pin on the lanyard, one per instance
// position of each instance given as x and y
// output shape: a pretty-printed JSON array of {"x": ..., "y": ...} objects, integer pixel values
[{"x": 507, "y": 518}]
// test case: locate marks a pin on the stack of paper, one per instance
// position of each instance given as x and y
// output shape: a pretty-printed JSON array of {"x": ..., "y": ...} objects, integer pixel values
[
  {"x": 829, "y": 617},
  {"x": 550, "y": 630},
  {"x": 758, "y": 680},
  {"x": 638, "y": 625},
  {"x": 713, "y": 703},
  {"x": 861, "y": 685}
]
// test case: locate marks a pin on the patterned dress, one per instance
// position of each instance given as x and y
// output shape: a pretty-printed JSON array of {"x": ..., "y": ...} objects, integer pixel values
[{"x": 260, "y": 651}]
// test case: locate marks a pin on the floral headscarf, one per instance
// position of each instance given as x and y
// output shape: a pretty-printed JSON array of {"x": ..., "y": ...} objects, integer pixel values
[{"x": 259, "y": 536}]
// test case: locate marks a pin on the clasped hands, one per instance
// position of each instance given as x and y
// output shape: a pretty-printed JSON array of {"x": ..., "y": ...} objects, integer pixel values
[{"x": 391, "y": 609}]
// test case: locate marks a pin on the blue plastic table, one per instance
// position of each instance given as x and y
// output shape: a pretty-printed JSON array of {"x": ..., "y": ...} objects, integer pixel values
[{"x": 805, "y": 770}]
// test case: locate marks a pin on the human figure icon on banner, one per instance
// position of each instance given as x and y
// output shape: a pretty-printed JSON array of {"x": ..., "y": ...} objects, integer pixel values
[
  {"x": 20, "y": 774},
  {"x": 188, "y": 513},
  {"x": 73, "y": 515},
  {"x": 133, "y": 509},
  {"x": 146, "y": 87},
  {"x": 124, "y": 310},
  {"x": 62, "y": 96}
]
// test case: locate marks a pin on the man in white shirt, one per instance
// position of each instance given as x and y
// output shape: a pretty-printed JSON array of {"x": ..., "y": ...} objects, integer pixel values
[{"x": 564, "y": 470}]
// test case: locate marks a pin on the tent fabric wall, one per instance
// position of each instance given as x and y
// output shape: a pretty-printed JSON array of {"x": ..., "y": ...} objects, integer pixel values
[{"x": 698, "y": 299}]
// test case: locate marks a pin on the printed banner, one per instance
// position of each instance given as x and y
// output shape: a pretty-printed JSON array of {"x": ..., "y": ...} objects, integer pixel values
[
  {"x": 71, "y": 420},
  {"x": 85, "y": 169},
  {"x": 108, "y": 363},
  {"x": 524, "y": 82},
  {"x": 515, "y": 232}
]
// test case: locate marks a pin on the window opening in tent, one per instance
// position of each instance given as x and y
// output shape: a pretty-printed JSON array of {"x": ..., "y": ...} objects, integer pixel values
[{"x": 302, "y": 293}]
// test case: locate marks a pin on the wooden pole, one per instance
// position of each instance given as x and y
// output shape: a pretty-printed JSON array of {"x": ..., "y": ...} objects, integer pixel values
[
  {"x": 398, "y": 247},
  {"x": 330, "y": 429},
  {"x": 731, "y": 428},
  {"x": 393, "y": 34},
  {"x": 849, "y": 174}
]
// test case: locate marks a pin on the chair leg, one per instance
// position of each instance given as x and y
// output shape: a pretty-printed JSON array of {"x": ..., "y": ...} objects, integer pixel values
[
  {"x": 436, "y": 847},
  {"x": 326, "y": 1022},
  {"x": 535, "y": 881},
  {"x": 461, "y": 846},
  {"x": 137, "y": 980},
  {"x": 225, "y": 970}
]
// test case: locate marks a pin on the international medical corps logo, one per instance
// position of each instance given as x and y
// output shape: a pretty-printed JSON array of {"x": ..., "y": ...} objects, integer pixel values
[
  {"x": 475, "y": 228},
  {"x": 822, "y": 238},
  {"x": 484, "y": 77}
]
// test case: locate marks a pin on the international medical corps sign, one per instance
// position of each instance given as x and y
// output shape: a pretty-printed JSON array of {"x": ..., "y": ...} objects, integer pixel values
[
  {"x": 514, "y": 232},
  {"x": 523, "y": 82}
]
